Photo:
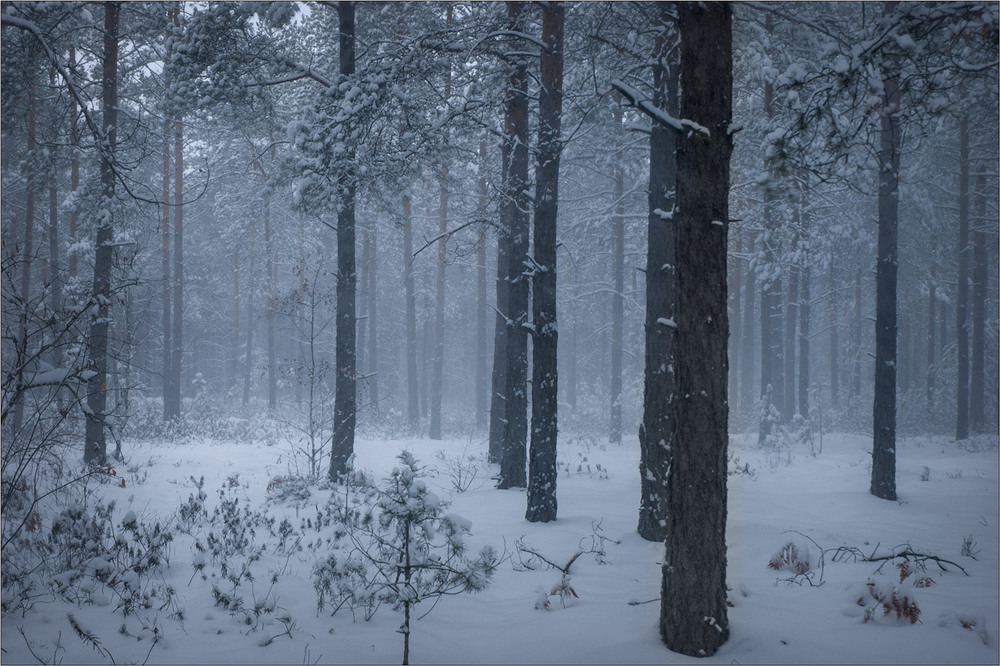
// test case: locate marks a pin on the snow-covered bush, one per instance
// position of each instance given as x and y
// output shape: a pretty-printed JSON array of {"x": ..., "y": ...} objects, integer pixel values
[{"x": 400, "y": 548}]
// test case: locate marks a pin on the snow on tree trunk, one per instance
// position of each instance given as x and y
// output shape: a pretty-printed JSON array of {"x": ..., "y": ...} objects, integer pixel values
[
  {"x": 884, "y": 407},
  {"x": 514, "y": 216},
  {"x": 693, "y": 617},
  {"x": 95, "y": 451},
  {"x": 656, "y": 431},
  {"x": 345, "y": 385},
  {"x": 542, "y": 471}
]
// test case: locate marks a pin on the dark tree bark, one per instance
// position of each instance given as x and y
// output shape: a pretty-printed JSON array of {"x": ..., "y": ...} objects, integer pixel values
[
  {"x": 234, "y": 344},
  {"x": 962, "y": 303},
  {"x": 748, "y": 394},
  {"x": 498, "y": 383},
  {"x": 514, "y": 216},
  {"x": 977, "y": 381},
  {"x": 270, "y": 284},
  {"x": 931, "y": 326},
  {"x": 167, "y": 283},
  {"x": 771, "y": 348},
  {"x": 345, "y": 359},
  {"x": 95, "y": 451},
  {"x": 618, "y": 297},
  {"x": 805, "y": 310},
  {"x": 412, "y": 395},
  {"x": 884, "y": 406},
  {"x": 542, "y": 470},
  {"x": 656, "y": 432},
  {"x": 482, "y": 378},
  {"x": 437, "y": 359},
  {"x": 176, "y": 336},
  {"x": 372, "y": 378},
  {"x": 27, "y": 249},
  {"x": 55, "y": 261},
  {"x": 856, "y": 339},
  {"x": 791, "y": 321},
  {"x": 74, "y": 166},
  {"x": 693, "y": 616}
]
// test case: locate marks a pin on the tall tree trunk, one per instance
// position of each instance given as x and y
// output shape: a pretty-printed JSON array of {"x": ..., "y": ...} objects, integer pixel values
[
  {"x": 482, "y": 379},
  {"x": 363, "y": 313},
  {"x": 977, "y": 382},
  {"x": 251, "y": 322},
  {"x": 28, "y": 249},
  {"x": 884, "y": 406},
  {"x": 167, "y": 282},
  {"x": 270, "y": 284},
  {"x": 791, "y": 307},
  {"x": 437, "y": 372},
  {"x": 437, "y": 354},
  {"x": 74, "y": 168},
  {"x": 372, "y": 379},
  {"x": 412, "y": 396},
  {"x": 748, "y": 394},
  {"x": 234, "y": 344},
  {"x": 805, "y": 307},
  {"x": 515, "y": 218},
  {"x": 856, "y": 341},
  {"x": 176, "y": 341},
  {"x": 962, "y": 304},
  {"x": 931, "y": 303},
  {"x": 542, "y": 470},
  {"x": 618, "y": 297},
  {"x": 693, "y": 615},
  {"x": 771, "y": 348},
  {"x": 344, "y": 402},
  {"x": 55, "y": 261},
  {"x": 95, "y": 450},
  {"x": 736, "y": 320},
  {"x": 656, "y": 432}
]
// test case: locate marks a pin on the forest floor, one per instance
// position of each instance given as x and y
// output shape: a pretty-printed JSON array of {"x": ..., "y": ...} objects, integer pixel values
[{"x": 817, "y": 500}]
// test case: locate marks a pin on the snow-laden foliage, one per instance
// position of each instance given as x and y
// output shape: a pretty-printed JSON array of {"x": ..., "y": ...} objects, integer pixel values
[{"x": 396, "y": 544}]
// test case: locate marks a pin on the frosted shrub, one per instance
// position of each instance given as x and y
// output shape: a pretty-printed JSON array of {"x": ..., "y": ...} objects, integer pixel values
[{"x": 398, "y": 546}]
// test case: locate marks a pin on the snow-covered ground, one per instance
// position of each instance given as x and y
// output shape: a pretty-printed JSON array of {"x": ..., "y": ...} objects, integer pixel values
[{"x": 947, "y": 495}]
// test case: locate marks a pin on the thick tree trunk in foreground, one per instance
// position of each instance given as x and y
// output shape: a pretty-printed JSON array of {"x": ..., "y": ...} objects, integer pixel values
[
  {"x": 656, "y": 431},
  {"x": 95, "y": 451},
  {"x": 884, "y": 407},
  {"x": 345, "y": 386},
  {"x": 542, "y": 470},
  {"x": 693, "y": 618},
  {"x": 514, "y": 216}
]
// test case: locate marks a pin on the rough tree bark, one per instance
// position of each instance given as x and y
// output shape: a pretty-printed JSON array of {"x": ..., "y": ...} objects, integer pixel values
[
  {"x": 345, "y": 359},
  {"x": 884, "y": 405},
  {"x": 542, "y": 472},
  {"x": 514, "y": 215},
  {"x": 165, "y": 271},
  {"x": 693, "y": 616},
  {"x": 656, "y": 431},
  {"x": 95, "y": 450}
]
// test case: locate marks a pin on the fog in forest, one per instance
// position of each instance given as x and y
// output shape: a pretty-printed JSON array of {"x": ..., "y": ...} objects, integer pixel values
[{"x": 323, "y": 227}]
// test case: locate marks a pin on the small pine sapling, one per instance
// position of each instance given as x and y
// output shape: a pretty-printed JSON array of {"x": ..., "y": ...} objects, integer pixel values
[{"x": 404, "y": 549}]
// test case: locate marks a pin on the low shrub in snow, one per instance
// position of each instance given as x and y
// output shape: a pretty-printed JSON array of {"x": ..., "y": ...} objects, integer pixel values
[{"x": 394, "y": 543}]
